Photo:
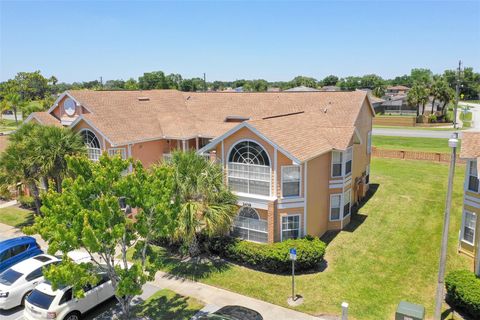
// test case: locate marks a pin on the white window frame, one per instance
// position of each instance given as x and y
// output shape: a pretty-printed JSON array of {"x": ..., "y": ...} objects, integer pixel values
[
  {"x": 248, "y": 179},
  {"x": 340, "y": 213},
  {"x": 115, "y": 151},
  {"x": 93, "y": 154},
  {"x": 341, "y": 164},
  {"x": 472, "y": 165},
  {"x": 299, "y": 225},
  {"x": 463, "y": 227},
  {"x": 348, "y": 153},
  {"x": 349, "y": 191},
  {"x": 369, "y": 142},
  {"x": 299, "y": 180}
]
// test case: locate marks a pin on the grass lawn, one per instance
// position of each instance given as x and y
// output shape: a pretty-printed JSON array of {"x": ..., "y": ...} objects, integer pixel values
[
  {"x": 8, "y": 125},
  {"x": 466, "y": 119},
  {"x": 411, "y": 144},
  {"x": 166, "y": 304},
  {"x": 16, "y": 217},
  {"x": 388, "y": 253}
]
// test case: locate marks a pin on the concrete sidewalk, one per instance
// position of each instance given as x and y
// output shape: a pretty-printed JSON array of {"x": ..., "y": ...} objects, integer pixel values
[
  {"x": 213, "y": 296},
  {"x": 7, "y": 231}
]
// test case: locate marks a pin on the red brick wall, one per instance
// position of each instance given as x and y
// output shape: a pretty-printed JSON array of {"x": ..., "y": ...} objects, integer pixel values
[{"x": 413, "y": 155}]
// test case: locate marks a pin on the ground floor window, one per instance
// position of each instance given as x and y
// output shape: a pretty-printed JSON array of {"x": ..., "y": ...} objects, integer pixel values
[
  {"x": 335, "y": 205},
  {"x": 290, "y": 227},
  {"x": 247, "y": 225},
  {"x": 469, "y": 224}
]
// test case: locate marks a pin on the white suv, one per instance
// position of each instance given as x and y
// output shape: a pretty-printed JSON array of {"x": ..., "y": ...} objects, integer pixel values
[
  {"x": 19, "y": 280},
  {"x": 46, "y": 303}
]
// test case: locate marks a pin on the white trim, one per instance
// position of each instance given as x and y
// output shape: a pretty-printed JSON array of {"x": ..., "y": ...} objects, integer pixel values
[
  {"x": 269, "y": 162},
  {"x": 113, "y": 151},
  {"x": 74, "y": 123},
  {"x": 290, "y": 205},
  {"x": 289, "y": 200},
  {"x": 66, "y": 93},
  {"x": 357, "y": 134},
  {"x": 275, "y": 169},
  {"x": 223, "y": 156},
  {"x": 344, "y": 203},
  {"x": 340, "y": 214},
  {"x": 254, "y": 202},
  {"x": 463, "y": 227},
  {"x": 473, "y": 199},
  {"x": 305, "y": 212},
  {"x": 102, "y": 145},
  {"x": 467, "y": 178},
  {"x": 468, "y": 202},
  {"x": 215, "y": 141},
  {"x": 299, "y": 224},
  {"x": 300, "y": 188}
]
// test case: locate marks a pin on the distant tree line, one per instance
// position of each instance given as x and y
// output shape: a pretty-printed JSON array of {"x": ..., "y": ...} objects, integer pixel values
[{"x": 18, "y": 93}]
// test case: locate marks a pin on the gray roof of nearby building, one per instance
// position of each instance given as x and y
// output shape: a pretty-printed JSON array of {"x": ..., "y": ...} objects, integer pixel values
[{"x": 302, "y": 89}]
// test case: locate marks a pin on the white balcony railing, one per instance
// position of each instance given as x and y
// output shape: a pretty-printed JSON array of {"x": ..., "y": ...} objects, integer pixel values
[{"x": 250, "y": 229}]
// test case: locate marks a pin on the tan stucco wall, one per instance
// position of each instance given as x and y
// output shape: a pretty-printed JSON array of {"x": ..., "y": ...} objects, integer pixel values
[
  {"x": 287, "y": 212},
  {"x": 467, "y": 248},
  {"x": 318, "y": 171},
  {"x": 105, "y": 145},
  {"x": 149, "y": 152}
]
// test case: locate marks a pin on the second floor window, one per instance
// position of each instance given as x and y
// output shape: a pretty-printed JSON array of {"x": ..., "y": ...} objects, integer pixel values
[
  {"x": 337, "y": 163},
  {"x": 249, "y": 169},
  {"x": 473, "y": 183},
  {"x": 92, "y": 143},
  {"x": 348, "y": 161},
  {"x": 291, "y": 181}
]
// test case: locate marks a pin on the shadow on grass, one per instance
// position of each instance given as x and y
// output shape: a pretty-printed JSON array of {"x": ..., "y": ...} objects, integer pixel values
[
  {"x": 192, "y": 268},
  {"x": 27, "y": 222},
  {"x": 356, "y": 220},
  {"x": 172, "y": 308},
  {"x": 451, "y": 314}
]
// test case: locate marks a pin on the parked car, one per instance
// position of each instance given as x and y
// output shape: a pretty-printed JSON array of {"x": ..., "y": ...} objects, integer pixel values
[
  {"x": 233, "y": 313},
  {"x": 19, "y": 280},
  {"x": 14, "y": 250},
  {"x": 46, "y": 303}
]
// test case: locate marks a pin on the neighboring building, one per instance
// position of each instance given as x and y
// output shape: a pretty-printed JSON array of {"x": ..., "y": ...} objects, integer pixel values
[
  {"x": 302, "y": 89},
  {"x": 298, "y": 161},
  {"x": 376, "y": 103},
  {"x": 330, "y": 88},
  {"x": 396, "y": 90},
  {"x": 469, "y": 237}
]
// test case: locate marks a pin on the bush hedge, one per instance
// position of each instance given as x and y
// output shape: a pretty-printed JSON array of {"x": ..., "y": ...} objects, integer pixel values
[
  {"x": 274, "y": 257},
  {"x": 27, "y": 202},
  {"x": 463, "y": 291}
]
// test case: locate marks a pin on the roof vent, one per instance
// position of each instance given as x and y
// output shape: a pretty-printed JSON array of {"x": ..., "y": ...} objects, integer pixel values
[
  {"x": 143, "y": 99},
  {"x": 236, "y": 118},
  {"x": 325, "y": 110}
]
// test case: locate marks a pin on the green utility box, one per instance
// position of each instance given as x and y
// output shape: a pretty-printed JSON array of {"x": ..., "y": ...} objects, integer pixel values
[{"x": 409, "y": 311}]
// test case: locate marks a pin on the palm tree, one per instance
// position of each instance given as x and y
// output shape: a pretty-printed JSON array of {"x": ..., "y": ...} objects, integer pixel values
[
  {"x": 4, "y": 106},
  {"x": 417, "y": 96},
  {"x": 36, "y": 154},
  {"x": 206, "y": 205},
  {"x": 16, "y": 102},
  {"x": 52, "y": 146},
  {"x": 17, "y": 165}
]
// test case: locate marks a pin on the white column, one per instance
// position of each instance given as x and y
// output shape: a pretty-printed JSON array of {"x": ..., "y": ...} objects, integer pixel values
[{"x": 184, "y": 145}]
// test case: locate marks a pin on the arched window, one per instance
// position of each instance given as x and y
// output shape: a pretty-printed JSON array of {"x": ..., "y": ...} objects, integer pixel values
[
  {"x": 249, "y": 169},
  {"x": 248, "y": 212},
  {"x": 92, "y": 144},
  {"x": 248, "y": 225}
]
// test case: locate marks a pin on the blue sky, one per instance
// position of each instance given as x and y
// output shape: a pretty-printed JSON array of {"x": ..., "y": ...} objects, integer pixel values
[{"x": 79, "y": 41}]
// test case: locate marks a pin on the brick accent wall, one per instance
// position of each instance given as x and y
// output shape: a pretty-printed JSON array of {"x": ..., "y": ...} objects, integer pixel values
[
  {"x": 413, "y": 155},
  {"x": 272, "y": 208}
]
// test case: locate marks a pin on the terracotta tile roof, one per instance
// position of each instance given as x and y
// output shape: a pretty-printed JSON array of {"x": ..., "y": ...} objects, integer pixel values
[
  {"x": 470, "y": 147},
  {"x": 305, "y": 135},
  {"x": 123, "y": 118},
  {"x": 46, "y": 118}
]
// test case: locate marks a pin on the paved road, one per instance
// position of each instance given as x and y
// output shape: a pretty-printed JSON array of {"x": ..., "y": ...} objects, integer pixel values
[{"x": 411, "y": 133}]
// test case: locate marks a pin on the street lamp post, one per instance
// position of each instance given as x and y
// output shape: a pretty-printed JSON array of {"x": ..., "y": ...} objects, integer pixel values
[{"x": 452, "y": 143}]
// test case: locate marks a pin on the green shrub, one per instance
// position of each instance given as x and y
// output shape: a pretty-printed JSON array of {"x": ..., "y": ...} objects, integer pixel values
[
  {"x": 432, "y": 118},
  {"x": 274, "y": 257},
  {"x": 27, "y": 202},
  {"x": 463, "y": 291}
]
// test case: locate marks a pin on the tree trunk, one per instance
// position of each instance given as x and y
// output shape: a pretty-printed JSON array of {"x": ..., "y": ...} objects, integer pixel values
[
  {"x": 15, "y": 114},
  {"x": 193, "y": 249},
  {"x": 418, "y": 110},
  {"x": 58, "y": 183},
  {"x": 125, "y": 305},
  {"x": 433, "y": 103},
  {"x": 36, "y": 197}
]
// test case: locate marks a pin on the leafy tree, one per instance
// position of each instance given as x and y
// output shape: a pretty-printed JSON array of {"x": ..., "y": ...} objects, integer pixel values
[
  {"x": 371, "y": 81},
  {"x": 440, "y": 91},
  {"x": 114, "y": 85},
  {"x": 131, "y": 84},
  {"x": 418, "y": 95},
  {"x": 88, "y": 216},
  {"x": 205, "y": 203},
  {"x": 16, "y": 103},
  {"x": 350, "y": 83},
  {"x": 174, "y": 81},
  {"x": 330, "y": 80},
  {"x": 31, "y": 85},
  {"x": 304, "y": 81},
  {"x": 152, "y": 80},
  {"x": 4, "y": 106},
  {"x": 421, "y": 76},
  {"x": 379, "y": 91}
]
